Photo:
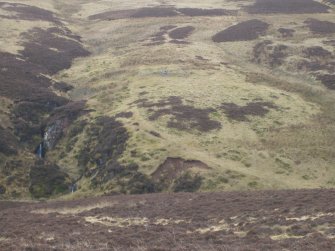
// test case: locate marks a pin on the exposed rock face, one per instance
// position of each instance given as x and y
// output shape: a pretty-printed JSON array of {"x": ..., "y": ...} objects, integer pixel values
[{"x": 60, "y": 120}]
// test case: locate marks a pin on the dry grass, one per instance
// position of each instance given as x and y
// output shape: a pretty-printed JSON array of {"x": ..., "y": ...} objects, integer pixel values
[{"x": 73, "y": 210}]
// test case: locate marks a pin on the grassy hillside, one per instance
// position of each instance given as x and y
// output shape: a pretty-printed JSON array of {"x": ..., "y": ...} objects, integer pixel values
[{"x": 166, "y": 96}]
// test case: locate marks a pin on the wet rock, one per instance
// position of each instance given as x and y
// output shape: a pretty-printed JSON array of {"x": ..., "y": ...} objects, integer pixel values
[{"x": 60, "y": 120}]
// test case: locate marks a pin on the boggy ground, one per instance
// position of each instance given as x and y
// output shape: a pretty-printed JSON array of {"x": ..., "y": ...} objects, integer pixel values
[{"x": 267, "y": 220}]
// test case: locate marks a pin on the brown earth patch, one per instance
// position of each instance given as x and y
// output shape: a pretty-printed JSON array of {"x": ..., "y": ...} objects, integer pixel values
[
  {"x": 183, "y": 117},
  {"x": 172, "y": 168},
  {"x": 240, "y": 113},
  {"x": 244, "y": 31},
  {"x": 182, "y": 32},
  {"x": 287, "y": 7},
  {"x": 320, "y": 27}
]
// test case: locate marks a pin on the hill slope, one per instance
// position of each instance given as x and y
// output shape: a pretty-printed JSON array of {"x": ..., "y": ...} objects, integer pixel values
[{"x": 165, "y": 96}]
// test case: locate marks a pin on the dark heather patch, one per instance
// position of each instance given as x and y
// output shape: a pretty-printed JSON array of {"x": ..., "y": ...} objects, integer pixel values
[
  {"x": 244, "y": 31},
  {"x": 51, "y": 50},
  {"x": 62, "y": 86},
  {"x": 328, "y": 80},
  {"x": 193, "y": 12},
  {"x": 183, "y": 117},
  {"x": 172, "y": 168},
  {"x": 240, "y": 113},
  {"x": 182, "y": 32},
  {"x": 317, "y": 51},
  {"x": 320, "y": 27},
  {"x": 124, "y": 115},
  {"x": 30, "y": 107},
  {"x": 27, "y": 12},
  {"x": 8, "y": 143},
  {"x": 46, "y": 179},
  {"x": 64, "y": 32},
  {"x": 155, "y": 12},
  {"x": 266, "y": 53},
  {"x": 106, "y": 141},
  {"x": 113, "y": 15},
  {"x": 157, "y": 38},
  {"x": 286, "y": 32},
  {"x": 256, "y": 213},
  {"x": 287, "y": 7}
]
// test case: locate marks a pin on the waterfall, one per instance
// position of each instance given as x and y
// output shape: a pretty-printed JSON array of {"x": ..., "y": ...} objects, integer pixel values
[{"x": 40, "y": 151}]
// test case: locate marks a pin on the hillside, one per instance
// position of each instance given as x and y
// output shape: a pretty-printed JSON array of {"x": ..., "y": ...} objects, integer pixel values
[{"x": 108, "y": 97}]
